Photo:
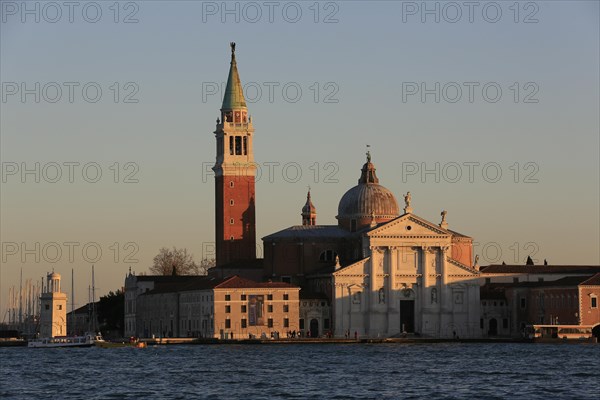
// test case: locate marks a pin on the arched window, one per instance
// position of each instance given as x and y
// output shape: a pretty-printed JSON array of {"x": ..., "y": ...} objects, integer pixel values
[{"x": 327, "y": 256}]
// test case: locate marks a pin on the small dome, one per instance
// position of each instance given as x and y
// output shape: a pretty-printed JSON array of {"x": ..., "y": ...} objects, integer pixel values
[
  {"x": 367, "y": 202},
  {"x": 54, "y": 275}
]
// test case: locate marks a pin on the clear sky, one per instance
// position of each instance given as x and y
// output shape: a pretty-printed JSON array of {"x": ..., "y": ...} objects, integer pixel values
[{"x": 517, "y": 92}]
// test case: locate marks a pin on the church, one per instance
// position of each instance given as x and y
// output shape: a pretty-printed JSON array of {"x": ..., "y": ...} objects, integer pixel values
[{"x": 379, "y": 272}]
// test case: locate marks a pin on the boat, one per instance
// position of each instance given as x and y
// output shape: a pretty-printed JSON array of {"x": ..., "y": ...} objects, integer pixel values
[
  {"x": 559, "y": 333},
  {"x": 87, "y": 340},
  {"x": 133, "y": 342}
]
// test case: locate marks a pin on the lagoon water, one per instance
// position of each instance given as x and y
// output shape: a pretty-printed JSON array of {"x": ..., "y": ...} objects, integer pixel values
[{"x": 324, "y": 371}]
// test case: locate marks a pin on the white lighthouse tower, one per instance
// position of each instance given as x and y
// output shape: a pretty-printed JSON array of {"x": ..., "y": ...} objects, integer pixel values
[{"x": 53, "y": 315}]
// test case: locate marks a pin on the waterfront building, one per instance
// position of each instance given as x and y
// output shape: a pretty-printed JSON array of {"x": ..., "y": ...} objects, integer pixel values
[
  {"x": 53, "y": 312},
  {"x": 79, "y": 321},
  {"x": 207, "y": 307},
  {"x": 135, "y": 285},
  {"x": 315, "y": 314},
  {"x": 509, "y": 307}
]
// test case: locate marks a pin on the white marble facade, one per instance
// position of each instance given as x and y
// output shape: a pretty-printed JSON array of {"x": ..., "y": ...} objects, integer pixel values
[{"x": 407, "y": 282}]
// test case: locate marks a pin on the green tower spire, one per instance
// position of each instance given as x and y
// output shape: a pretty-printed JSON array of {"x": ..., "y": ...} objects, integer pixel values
[{"x": 234, "y": 94}]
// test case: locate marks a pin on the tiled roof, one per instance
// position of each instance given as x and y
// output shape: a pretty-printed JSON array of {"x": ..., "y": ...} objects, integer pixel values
[
  {"x": 309, "y": 232},
  {"x": 539, "y": 269},
  {"x": 166, "y": 278},
  {"x": 566, "y": 281},
  {"x": 190, "y": 283},
  {"x": 594, "y": 280},
  {"x": 458, "y": 234},
  {"x": 236, "y": 282},
  {"x": 83, "y": 309}
]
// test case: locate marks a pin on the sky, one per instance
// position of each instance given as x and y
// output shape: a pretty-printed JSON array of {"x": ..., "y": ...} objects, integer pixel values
[{"x": 487, "y": 110}]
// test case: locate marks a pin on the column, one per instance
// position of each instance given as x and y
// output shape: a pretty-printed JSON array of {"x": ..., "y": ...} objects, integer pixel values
[
  {"x": 424, "y": 276},
  {"x": 393, "y": 300},
  {"x": 445, "y": 301}
]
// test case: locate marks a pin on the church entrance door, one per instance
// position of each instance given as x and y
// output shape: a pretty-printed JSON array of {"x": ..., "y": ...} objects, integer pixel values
[
  {"x": 407, "y": 316},
  {"x": 314, "y": 328}
]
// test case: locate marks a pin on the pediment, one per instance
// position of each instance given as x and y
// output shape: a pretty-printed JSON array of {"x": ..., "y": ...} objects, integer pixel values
[
  {"x": 409, "y": 225},
  {"x": 358, "y": 268}
]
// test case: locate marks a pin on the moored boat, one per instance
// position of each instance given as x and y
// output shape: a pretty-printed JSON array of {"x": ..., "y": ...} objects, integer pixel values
[{"x": 87, "y": 340}]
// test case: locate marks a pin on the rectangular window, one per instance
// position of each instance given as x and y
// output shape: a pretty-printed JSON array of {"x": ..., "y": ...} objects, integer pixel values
[
  {"x": 244, "y": 323},
  {"x": 286, "y": 308},
  {"x": 227, "y": 324},
  {"x": 238, "y": 145},
  {"x": 227, "y": 309},
  {"x": 286, "y": 323},
  {"x": 594, "y": 302},
  {"x": 60, "y": 306},
  {"x": 227, "y": 297},
  {"x": 244, "y": 308},
  {"x": 480, "y": 323},
  {"x": 326, "y": 323},
  {"x": 505, "y": 323},
  {"x": 269, "y": 297},
  {"x": 231, "y": 145},
  {"x": 286, "y": 296},
  {"x": 488, "y": 281},
  {"x": 270, "y": 322},
  {"x": 47, "y": 306},
  {"x": 515, "y": 280},
  {"x": 243, "y": 297},
  {"x": 245, "y": 145},
  {"x": 270, "y": 308},
  {"x": 523, "y": 302},
  {"x": 301, "y": 323}
]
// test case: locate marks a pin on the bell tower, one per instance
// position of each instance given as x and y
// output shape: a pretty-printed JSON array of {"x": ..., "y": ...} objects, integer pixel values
[
  {"x": 309, "y": 211},
  {"x": 235, "y": 227}
]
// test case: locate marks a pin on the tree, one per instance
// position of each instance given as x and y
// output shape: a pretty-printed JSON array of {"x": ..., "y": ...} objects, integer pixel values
[
  {"x": 178, "y": 262},
  {"x": 111, "y": 312}
]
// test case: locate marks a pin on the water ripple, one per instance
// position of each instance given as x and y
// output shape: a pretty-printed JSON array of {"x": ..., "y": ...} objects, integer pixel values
[{"x": 386, "y": 371}]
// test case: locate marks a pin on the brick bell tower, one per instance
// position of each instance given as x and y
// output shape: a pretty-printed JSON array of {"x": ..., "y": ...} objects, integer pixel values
[{"x": 235, "y": 228}]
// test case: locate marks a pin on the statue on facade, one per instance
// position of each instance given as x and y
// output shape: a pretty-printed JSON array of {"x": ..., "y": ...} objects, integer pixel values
[
  {"x": 407, "y": 199},
  {"x": 232, "y": 44},
  {"x": 382, "y": 296},
  {"x": 477, "y": 259},
  {"x": 434, "y": 296},
  {"x": 443, "y": 214},
  {"x": 368, "y": 156}
]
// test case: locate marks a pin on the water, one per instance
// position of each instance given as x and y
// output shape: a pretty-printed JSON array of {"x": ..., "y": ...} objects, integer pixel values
[{"x": 354, "y": 371}]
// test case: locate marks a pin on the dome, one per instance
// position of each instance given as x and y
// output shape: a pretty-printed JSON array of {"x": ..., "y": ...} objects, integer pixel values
[
  {"x": 367, "y": 202},
  {"x": 54, "y": 275}
]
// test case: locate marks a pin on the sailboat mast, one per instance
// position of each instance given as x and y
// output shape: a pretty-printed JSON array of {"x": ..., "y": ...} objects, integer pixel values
[
  {"x": 72, "y": 301},
  {"x": 21, "y": 298},
  {"x": 93, "y": 300}
]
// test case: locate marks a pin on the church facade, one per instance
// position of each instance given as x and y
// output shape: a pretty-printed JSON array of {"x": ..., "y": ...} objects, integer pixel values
[{"x": 407, "y": 283}]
